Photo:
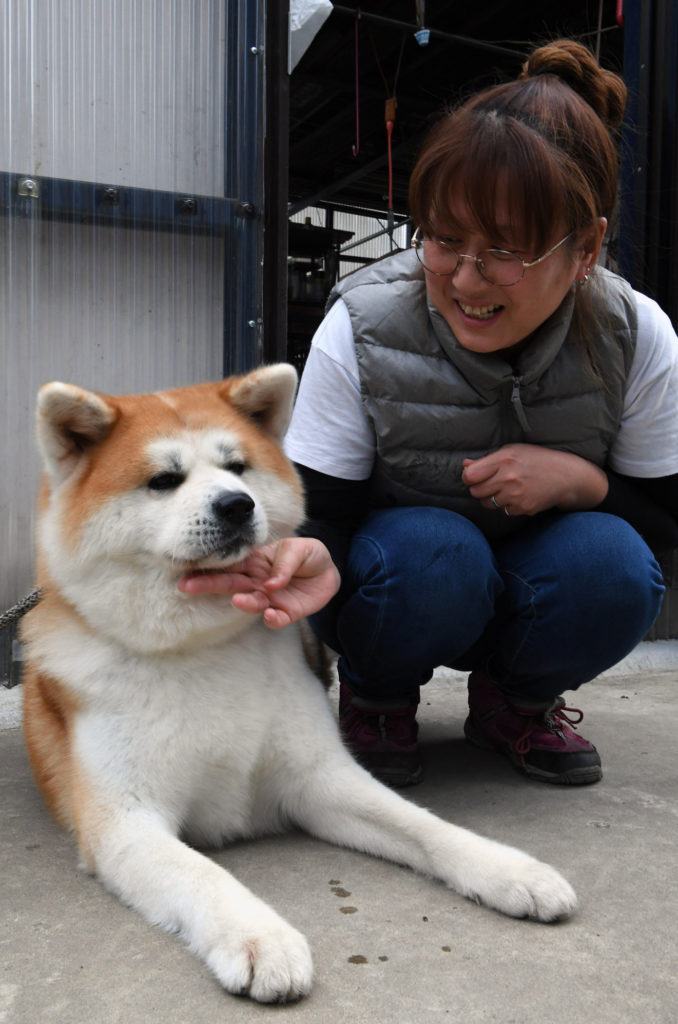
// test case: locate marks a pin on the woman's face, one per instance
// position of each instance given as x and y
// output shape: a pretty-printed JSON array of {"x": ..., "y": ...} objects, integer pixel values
[{"x": 488, "y": 318}]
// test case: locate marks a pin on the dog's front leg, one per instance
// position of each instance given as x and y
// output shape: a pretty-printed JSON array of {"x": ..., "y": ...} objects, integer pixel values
[
  {"x": 249, "y": 947},
  {"x": 345, "y": 805}
]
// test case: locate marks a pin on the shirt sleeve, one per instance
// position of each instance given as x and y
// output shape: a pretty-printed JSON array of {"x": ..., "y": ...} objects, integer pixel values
[
  {"x": 334, "y": 509},
  {"x": 329, "y": 431},
  {"x": 647, "y": 442}
]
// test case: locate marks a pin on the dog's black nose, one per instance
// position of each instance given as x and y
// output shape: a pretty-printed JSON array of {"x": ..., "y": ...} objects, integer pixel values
[{"x": 233, "y": 507}]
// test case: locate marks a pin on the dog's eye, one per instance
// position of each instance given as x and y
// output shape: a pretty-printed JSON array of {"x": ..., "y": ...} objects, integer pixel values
[
  {"x": 236, "y": 467},
  {"x": 166, "y": 481}
]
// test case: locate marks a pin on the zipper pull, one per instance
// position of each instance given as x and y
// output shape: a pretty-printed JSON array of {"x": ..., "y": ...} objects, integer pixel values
[{"x": 518, "y": 405}]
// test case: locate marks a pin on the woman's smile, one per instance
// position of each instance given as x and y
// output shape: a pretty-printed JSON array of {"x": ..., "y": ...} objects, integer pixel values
[
  {"x": 480, "y": 314},
  {"x": 489, "y": 318}
]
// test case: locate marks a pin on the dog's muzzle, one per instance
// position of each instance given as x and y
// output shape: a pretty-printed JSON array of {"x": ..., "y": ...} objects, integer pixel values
[
  {"x": 233, "y": 509},
  {"x": 233, "y": 523}
]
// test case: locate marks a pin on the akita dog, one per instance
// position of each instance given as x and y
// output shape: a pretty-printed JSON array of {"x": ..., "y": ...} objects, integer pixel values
[{"x": 154, "y": 717}]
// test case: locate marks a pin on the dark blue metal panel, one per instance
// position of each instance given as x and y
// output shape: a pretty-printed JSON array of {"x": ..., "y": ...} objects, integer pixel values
[
  {"x": 648, "y": 247},
  {"x": 112, "y": 205},
  {"x": 244, "y": 180},
  {"x": 648, "y": 244}
]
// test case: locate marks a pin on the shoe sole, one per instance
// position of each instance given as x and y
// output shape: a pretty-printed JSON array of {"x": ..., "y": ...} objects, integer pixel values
[{"x": 587, "y": 775}]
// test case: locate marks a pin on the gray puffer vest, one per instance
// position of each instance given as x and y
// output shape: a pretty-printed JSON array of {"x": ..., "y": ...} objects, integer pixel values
[{"x": 434, "y": 403}]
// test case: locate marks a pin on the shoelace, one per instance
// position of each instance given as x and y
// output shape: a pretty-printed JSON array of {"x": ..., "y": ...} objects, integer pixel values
[{"x": 550, "y": 719}]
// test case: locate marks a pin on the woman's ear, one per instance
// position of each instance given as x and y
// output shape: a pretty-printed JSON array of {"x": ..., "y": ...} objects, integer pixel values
[{"x": 592, "y": 242}]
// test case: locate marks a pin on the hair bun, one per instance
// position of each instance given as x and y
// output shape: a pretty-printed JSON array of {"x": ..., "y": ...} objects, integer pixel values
[{"x": 574, "y": 64}]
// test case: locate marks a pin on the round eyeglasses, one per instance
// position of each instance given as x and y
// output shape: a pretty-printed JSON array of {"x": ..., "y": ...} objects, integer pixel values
[{"x": 496, "y": 266}]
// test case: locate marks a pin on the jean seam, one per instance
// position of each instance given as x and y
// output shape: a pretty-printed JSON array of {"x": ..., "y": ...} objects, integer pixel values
[
  {"x": 381, "y": 607},
  {"x": 533, "y": 616}
]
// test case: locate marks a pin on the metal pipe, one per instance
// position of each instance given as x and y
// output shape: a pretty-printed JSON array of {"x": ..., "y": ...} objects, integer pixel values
[
  {"x": 334, "y": 186},
  {"x": 480, "y": 44},
  {"x": 369, "y": 238}
]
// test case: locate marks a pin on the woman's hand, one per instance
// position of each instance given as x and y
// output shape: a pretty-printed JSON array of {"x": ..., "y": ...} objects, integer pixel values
[
  {"x": 287, "y": 581},
  {"x": 525, "y": 479}
]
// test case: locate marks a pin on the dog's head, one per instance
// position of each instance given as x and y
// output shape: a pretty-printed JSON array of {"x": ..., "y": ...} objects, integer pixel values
[{"x": 142, "y": 489}]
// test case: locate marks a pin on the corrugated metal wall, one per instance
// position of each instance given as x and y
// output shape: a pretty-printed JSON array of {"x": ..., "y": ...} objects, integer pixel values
[
  {"x": 128, "y": 92},
  {"x": 130, "y": 230}
]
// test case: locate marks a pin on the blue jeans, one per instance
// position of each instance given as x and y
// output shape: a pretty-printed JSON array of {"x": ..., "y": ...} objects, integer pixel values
[{"x": 548, "y": 609}]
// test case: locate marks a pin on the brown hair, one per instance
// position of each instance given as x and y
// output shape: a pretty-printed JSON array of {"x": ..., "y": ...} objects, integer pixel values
[
  {"x": 545, "y": 145},
  {"x": 544, "y": 140}
]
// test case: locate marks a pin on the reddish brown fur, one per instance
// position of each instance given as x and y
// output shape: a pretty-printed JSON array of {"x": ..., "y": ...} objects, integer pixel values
[
  {"x": 112, "y": 466},
  {"x": 49, "y": 708},
  {"x": 114, "y": 462},
  {"x": 118, "y": 463}
]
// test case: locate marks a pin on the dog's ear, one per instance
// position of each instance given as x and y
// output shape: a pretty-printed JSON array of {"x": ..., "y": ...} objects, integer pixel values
[
  {"x": 69, "y": 421},
  {"x": 265, "y": 396}
]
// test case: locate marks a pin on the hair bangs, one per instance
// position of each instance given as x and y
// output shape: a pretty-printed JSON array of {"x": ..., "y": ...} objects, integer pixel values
[{"x": 494, "y": 174}]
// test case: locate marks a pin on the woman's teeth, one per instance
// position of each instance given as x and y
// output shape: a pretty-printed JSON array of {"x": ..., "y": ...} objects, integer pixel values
[{"x": 479, "y": 312}]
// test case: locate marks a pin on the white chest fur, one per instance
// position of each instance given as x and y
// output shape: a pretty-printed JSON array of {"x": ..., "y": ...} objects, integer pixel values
[{"x": 199, "y": 737}]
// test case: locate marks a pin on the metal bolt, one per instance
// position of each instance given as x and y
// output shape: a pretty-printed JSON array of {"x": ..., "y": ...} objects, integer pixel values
[
  {"x": 28, "y": 187},
  {"x": 111, "y": 196},
  {"x": 188, "y": 207}
]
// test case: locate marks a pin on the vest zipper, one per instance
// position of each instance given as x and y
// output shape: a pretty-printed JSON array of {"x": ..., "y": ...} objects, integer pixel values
[{"x": 518, "y": 405}]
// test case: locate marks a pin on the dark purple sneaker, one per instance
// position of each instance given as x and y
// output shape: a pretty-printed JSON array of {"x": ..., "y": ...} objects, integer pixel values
[
  {"x": 538, "y": 741},
  {"x": 382, "y": 736}
]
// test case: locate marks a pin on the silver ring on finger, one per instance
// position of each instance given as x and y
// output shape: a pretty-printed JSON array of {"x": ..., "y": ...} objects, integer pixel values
[
  {"x": 494, "y": 502},
  {"x": 506, "y": 511}
]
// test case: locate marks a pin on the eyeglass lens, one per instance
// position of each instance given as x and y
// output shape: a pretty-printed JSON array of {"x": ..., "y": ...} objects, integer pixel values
[{"x": 496, "y": 266}]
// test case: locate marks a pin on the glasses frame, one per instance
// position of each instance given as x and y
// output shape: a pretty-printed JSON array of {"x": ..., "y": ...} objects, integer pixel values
[{"x": 418, "y": 242}]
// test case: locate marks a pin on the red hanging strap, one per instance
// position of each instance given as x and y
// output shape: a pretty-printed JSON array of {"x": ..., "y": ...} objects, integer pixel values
[{"x": 390, "y": 116}]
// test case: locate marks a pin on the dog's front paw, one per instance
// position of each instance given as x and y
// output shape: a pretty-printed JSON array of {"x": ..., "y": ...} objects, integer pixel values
[
  {"x": 521, "y": 886},
  {"x": 271, "y": 964}
]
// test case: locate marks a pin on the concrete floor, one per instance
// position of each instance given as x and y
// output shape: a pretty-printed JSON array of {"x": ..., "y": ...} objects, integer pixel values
[{"x": 390, "y": 947}]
